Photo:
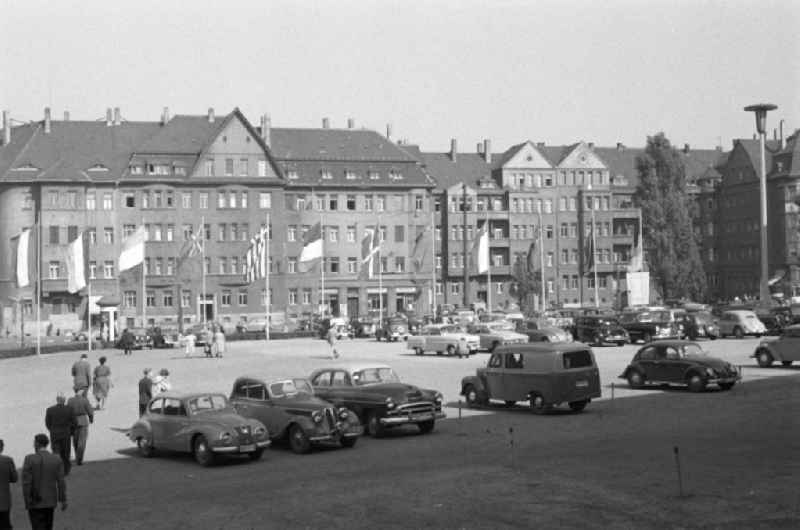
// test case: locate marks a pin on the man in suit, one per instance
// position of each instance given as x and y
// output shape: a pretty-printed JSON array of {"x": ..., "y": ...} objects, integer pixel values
[
  {"x": 43, "y": 485},
  {"x": 60, "y": 421},
  {"x": 84, "y": 415},
  {"x": 145, "y": 391},
  {"x": 8, "y": 474},
  {"x": 82, "y": 374}
]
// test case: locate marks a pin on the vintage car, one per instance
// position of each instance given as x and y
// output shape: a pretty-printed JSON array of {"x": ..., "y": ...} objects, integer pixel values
[
  {"x": 141, "y": 339},
  {"x": 784, "y": 349},
  {"x": 444, "y": 338},
  {"x": 496, "y": 333},
  {"x": 363, "y": 326},
  {"x": 546, "y": 334},
  {"x": 740, "y": 323},
  {"x": 205, "y": 425},
  {"x": 374, "y": 392},
  {"x": 339, "y": 324},
  {"x": 699, "y": 324},
  {"x": 649, "y": 325},
  {"x": 392, "y": 329},
  {"x": 679, "y": 362},
  {"x": 291, "y": 412},
  {"x": 599, "y": 330},
  {"x": 543, "y": 374}
]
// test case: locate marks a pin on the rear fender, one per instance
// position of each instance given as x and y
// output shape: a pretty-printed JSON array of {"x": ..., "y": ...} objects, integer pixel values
[
  {"x": 472, "y": 380},
  {"x": 141, "y": 429}
]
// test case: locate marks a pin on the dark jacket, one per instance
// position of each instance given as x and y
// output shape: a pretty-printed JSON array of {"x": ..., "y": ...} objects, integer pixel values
[
  {"x": 127, "y": 340},
  {"x": 60, "y": 421},
  {"x": 145, "y": 390},
  {"x": 81, "y": 374},
  {"x": 82, "y": 409},
  {"x": 45, "y": 472},
  {"x": 8, "y": 474}
]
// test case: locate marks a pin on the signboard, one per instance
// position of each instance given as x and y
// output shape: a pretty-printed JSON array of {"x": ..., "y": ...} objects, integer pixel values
[{"x": 638, "y": 288}]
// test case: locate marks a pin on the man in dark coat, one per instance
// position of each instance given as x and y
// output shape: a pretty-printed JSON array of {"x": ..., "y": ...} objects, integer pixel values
[
  {"x": 8, "y": 474},
  {"x": 84, "y": 415},
  {"x": 43, "y": 485},
  {"x": 126, "y": 341},
  {"x": 60, "y": 421},
  {"x": 145, "y": 391},
  {"x": 82, "y": 375}
]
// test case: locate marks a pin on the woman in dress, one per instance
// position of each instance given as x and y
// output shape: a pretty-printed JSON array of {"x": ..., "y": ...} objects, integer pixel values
[
  {"x": 102, "y": 383},
  {"x": 161, "y": 382}
]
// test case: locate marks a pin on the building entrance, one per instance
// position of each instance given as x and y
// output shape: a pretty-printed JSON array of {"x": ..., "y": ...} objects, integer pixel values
[{"x": 207, "y": 308}]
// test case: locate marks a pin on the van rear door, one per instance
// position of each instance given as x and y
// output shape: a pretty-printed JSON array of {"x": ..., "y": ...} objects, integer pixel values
[{"x": 580, "y": 378}]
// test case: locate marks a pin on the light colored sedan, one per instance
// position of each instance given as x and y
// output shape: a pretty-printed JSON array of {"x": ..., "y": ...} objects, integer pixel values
[
  {"x": 494, "y": 334},
  {"x": 548, "y": 334},
  {"x": 443, "y": 339},
  {"x": 740, "y": 323}
]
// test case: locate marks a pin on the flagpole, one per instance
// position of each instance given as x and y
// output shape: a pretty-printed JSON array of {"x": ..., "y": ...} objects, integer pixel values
[
  {"x": 541, "y": 263},
  {"x": 488, "y": 263},
  {"x": 266, "y": 283},
  {"x": 322, "y": 264},
  {"x": 203, "y": 271},
  {"x": 594, "y": 257},
  {"x": 380, "y": 270},
  {"x": 39, "y": 284},
  {"x": 144, "y": 285},
  {"x": 433, "y": 261}
]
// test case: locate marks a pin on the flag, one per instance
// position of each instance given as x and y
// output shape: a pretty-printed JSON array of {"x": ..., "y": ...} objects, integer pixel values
[
  {"x": 312, "y": 244},
  {"x": 369, "y": 248},
  {"x": 480, "y": 249},
  {"x": 23, "y": 252},
  {"x": 193, "y": 247},
  {"x": 532, "y": 256},
  {"x": 132, "y": 250},
  {"x": 256, "y": 256},
  {"x": 77, "y": 264},
  {"x": 637, "y": 256},
  {"x": 422, "y": 244},
  {"x": 588, "y": 258}
]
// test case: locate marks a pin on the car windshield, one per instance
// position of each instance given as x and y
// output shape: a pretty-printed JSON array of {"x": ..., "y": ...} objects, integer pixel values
[
  {"x": 654, "y": 316},
  {"x": 751, "y": 317},
  {"x": 692, "y": 349},
  {"x": 290, "y": 387},
  {"x": 207, "y": 403},
  {"x": 371, "y": 376},
  {"x": 450, "y": 329},
  {"x": 501, "y": 326}
]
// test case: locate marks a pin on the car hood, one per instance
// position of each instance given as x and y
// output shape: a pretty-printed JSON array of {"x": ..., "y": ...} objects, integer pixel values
[
  {"x": 705, "y": 360},
  {"x": 465, "y": 336},
  {"x": 507, "y": 334},
  {"x": 302, "y": 403},
  {"x": 222, "y": 419},
  {"x": 399, "y": 392}
]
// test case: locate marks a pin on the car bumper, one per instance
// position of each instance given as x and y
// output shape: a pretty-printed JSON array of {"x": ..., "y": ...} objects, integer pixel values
[
  {"x": 723, "y": 380},
  {"x": 412, "y": 418},
  {"x": 232, "y": 449},
  {"x": 337, "y": 434}
]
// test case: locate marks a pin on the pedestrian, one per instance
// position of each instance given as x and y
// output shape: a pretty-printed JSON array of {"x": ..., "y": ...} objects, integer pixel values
[
  {"x": 8, "y": 474},
  {"x": 126, "y": 342},
  {"x": 219, "y": 342},
  {"x": 161, "y": 382},
  {"x": 84, "y": 415},
  {"x": 188, "y": 344},
  {"x": 102, "y": 383},
  {"x": 60, "y": 421},
  {"x": 43, "y": 484},
  {"x": 208, "y": 338},
  {"x": 82, "y": 374},
  {"x": 332, "y": 342},
  {"x": 145, "y": 390}
]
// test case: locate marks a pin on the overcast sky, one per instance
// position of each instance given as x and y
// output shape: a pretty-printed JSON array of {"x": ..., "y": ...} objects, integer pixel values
[{"x": 556, "y": 72}]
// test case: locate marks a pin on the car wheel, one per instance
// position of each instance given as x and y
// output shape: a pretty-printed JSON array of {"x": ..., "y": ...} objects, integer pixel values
[
  {"x": 696, "y": 383},
  {"x": 439, "y": 353},
  {"x": 647, "y": 338},
  {"x": 349, "y": 442},
  {"x": 426, "y": 427},
  {"x": 538, "y": 404},
  {"x": 726, "y": 386},
  {"x": 451, "y": 350},
  {"x": 202, "y": 452},
  {"x": 510, "y": 403},
  {"x": 578, "y": 406},
  {"x": 712, "y": 337},
  {"x": 374, "y": 427},
  {"x": 738, "y": 333},
  {"x": 298, "y": 440},
  {"x": 764, "y": 359},
  {"x": 145, "y": 447},
  {"x": 418, "y": 350},
  {"x": 472, "y": 397},
  {"x": 635, "y": 379},
  {"x": 786, "y": 363},
  {"x": 256, "y": 455}
]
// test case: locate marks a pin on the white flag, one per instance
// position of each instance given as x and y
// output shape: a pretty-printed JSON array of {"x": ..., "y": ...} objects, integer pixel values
[
  {"x": 76, "y": 269},
  {"x": 132, "y": 250},
  {"x": 483, "y": 250},
  {"x": 23, "y": 248}
]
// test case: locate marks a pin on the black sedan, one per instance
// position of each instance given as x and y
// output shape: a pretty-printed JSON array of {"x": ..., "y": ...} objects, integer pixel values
[{"x": 679, "y": 362}]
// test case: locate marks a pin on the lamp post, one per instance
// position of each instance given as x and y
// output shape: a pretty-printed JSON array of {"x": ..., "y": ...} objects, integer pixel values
[{"x": 761, "y": 125}]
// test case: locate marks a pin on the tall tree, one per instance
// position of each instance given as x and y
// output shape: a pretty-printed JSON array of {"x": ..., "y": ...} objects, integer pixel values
[{"x": 672, "y": 250}]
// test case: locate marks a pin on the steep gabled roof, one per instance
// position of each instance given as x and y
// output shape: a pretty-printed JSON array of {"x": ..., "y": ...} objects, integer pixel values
[
  {"x": 361, "y": 145},
  {"x": 182, "y": 134},
  {"x": 468, "y": 168}
]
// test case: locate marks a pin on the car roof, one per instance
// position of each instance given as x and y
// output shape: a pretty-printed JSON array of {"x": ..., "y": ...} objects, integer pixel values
[
  {"x": 542, "y": 347},
  {"x": 186, "y": 395},
  {"x": 270, "y": 379},
  {"x": 352, "y": 367},
  {"x": 672, "y": 342}
]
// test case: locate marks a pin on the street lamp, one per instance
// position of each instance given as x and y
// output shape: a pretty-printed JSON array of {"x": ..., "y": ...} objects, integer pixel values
[{"x": 761, "y": 125}]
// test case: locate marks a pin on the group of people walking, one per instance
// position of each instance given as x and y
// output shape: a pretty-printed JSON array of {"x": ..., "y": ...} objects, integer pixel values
[{"x": 152, "y": 384}]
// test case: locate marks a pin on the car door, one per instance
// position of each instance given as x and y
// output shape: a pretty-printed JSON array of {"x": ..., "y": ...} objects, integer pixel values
[
  {"x": 515, "y": 384},
  {"x": 788, "y": 346},
  {"x": 674, "y": 365},
  {"x": 494, "y": 376},
  {"x": 175, "y": 425},
  {"x": 156, "y": 418},
  {"x": 322, "y": 385},
  {"x": 648, "y": 362},
  {"x": 257, "y": 404}
]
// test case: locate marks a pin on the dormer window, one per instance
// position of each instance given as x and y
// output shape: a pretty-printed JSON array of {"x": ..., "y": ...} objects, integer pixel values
[
  {"x": 374, "y": 175},
  {"x": 26, "y": 167},
  {"x": 350, "y": 175},
  {"x": 179, "y": 170},
  {"x": 136, "y": 170},
  {"x": 292, "y": 174},
  {"x": 98, "y": 167},
  {"x": 395, "y": 175},
  {"x": 326, "y": 174}
]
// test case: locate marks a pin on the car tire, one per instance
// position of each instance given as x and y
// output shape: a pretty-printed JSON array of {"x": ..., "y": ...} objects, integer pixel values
[
  {"x": 726, "y": 386},
  {"x": 373, "y": 425},
  {"x": 349, "y": 442},
  {"x": 256, "y": 455},
  {"x": 635, "y": 379},
  {"x": 145, "y": 447},
  {"x": 510, "y": 403},
  {"x": 786, "y": 363},
  {"x": 538, "y": 404},
  {"x": 696, "y": 382},
  {"x": 764, "y": 359},
  {"x": 439, "y": 353},
  {"x": 418, "y": 351},
  {"x": 738, "y": 333},
  {"x": 451, "y": 350},
  {"x": 713, "y": 337},
  {"x": 578, "y": 406},
  {"x": 472, "y": 397},
  {"x": 298, "y": 440},
  {"x": 426, "y": 427},
  {"x": 202, "y": 451}
]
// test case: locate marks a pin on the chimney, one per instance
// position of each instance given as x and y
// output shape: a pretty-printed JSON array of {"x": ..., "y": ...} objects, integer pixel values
[
  {"x": 487, "y": 151},
  {"x": 47, "y": 120},
  {"x": 479, "y": 148},
  {"x": 453, "y": 149},
  {"x": 326, "y": 123},
  {"x": 686, "y": 148},
  {"x": 783, "y": 142},
  {"x": 388, "y": 130},
  {"x": 109, "y": 118},
  {"x": 66, "y": 115},
  {"x": 117, "y": 116},
  {"x": 210, "y": 114},
  {"x": 165, "y": 116},
  {"x": 351, "y": 123},
  {"x": 620, "y": 146},
  {"x": 6, "y": 127},
  {"x": 266, "y": 128}
]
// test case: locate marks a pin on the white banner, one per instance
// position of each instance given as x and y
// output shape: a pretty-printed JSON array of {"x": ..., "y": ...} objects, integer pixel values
[{"x": 638, "y": 288}]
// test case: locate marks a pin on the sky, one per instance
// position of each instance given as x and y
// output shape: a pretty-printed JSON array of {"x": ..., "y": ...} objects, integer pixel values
[{"x": 546, "y": 71}]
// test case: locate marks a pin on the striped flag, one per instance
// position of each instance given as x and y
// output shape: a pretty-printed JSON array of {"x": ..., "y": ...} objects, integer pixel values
[
  {"x": 480, "y": 249},
  {"x": 422, "y": 244},
  {"x": 132, "y": 250},
  {"x": 256, "y": 256},
  {"x": 192, "y": 248},
  {"x": 24, "y": 254},
  {"x": 312, "y": 244},
  {"x": 77, "y": 263},
  {"x": 369, "y": 247}
]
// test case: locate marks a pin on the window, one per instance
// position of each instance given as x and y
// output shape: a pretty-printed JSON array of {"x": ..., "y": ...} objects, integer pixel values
[
  {"x": 333, "y": 203},
  {"x": 380, "y": 203},
  {"x": 207, "y": 266},
  {"x": 291, "y": 233},
  {"x": 438, "y": 261},
  {"x": 399, "y": 233},
  {"x": 292, "y": 296},
  {"x": 399, "y": 264},
  {"x": 562, "y": 204},
  {"x": 223, "y": 265},
  {"x": 373, "y": 175},
  {"x": 92, "y": 270},
  {"x": 384, "y": 264},
  {"x": 166, "y": 299},
  {"x": 382, "y": 234},
  {"x": 91, "y": 201},
  {"x": 266, "y": 298},
  {"x": 548, "y": 231},
  {"x": 351, "y": 234},
  {"x": 333, "y": 234},
  {"x": 243, "y": 171},
  {"x": 107, "y": 201},
  {"x": 54, "y": 269},
  {"x": 325, "y": 174},
  {"x": 455, "y": 288},
  {"x": 292, "y": 265},
  {"x": 564, "y": 230},
  {"x": 157, "y": 232},
  {"x": 186, "y": 298},
  {"x": 129, "y": 299},
  {"x": 262, "y": 168},
  {"x": 548, "y": 180},
  {"x": 418, "y": 202},
  {"x": 170, "y": 266},
  {"x": 225, "y": 298},
  {"x": 228, "y": 167},
  {"x": 264, "y": 200},
  {"x": 306, "y": 296},
  {"x": 232, "y": 199},
  {"x": 243, "y": 201},
  {"x": 234, "y": 232},
  {"x": 150, "y": 299},
  {"x": 159, "y": 267},
  {"x": 108, "y": 235},
  {"x": 549, "y": 259},
  {"x": 333, "y": 265},
  {"x": 350, "y": 174},
  {"x": 108, "y": 269},
  {"x": 169, "y": 198},
  {"x": 221, "y": 199},
  {"x": 548, "y": 206},
  {"x": 352, "y": 265},
  {"x": 186, "y": 201},
  {"x": 351, "y": 202},
  {"x": 368, "y": 201}
]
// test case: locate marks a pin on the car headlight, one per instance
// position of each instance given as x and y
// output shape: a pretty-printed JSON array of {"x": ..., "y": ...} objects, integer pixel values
[
  {"x": 343, "y": 414},
  {"x": 225, "y": 437},
  {"x": 711, "y": 372},
  {"x": 438, "y": 398},
  {"x": 316, "y": 416},
  {"x": 260, "y": 431},
  {"x": 390, "y": 404}
]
